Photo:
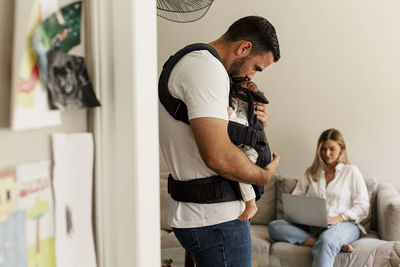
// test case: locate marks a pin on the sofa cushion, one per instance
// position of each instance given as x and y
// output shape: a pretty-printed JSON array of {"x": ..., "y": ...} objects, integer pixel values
[
  {"x": 388, "y": 202},
  {"x": 369, "y": 223},
  {"x": 387, "y": 254},
  {"x": 294, "y": 255},
  {"x": 260, "y": 239},
  {"x": 284, "y": 184},
  {"x": 266, "y": 205},
  {"x": 164, "y": 202},
  {"x": 362, "y": 249}
]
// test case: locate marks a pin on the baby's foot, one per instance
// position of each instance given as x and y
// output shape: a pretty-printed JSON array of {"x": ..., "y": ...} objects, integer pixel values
[
  {"x": 347, "y": 248},
  {"x": 248, "y": 213}
]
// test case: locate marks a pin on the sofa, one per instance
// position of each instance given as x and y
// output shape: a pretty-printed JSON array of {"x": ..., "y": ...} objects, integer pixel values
[{"x": 382, "y": 225}]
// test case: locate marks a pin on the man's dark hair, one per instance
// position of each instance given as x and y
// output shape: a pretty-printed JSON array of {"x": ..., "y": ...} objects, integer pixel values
[{"x": 256, "y": 30}]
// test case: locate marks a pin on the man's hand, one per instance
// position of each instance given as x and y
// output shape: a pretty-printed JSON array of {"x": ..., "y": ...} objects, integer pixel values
[
  {"x": 260, "y": 109},
  {"x": 334, "y": 220}
]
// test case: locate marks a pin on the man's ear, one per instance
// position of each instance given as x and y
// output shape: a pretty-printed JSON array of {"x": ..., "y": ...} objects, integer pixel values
[{"x": 243, "y": 49}]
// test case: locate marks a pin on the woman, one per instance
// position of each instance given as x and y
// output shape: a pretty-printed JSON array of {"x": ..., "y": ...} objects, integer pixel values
[{"x": 332, "y": 177}]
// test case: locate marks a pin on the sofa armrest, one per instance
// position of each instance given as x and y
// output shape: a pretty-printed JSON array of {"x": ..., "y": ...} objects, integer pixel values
[{"x": 388, "y": 202}]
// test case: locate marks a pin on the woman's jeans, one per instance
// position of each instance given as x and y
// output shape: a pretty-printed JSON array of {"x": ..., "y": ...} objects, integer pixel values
[
  {"x": 329, "y": 242},
  {"x": 226, "y": 244}
]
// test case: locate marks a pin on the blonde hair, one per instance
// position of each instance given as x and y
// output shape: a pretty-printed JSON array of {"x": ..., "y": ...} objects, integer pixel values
[{"x": 314, "y": 171}]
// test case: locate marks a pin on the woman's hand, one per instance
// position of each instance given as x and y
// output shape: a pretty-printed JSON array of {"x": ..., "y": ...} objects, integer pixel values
[
  {"x": 334, "y": 220},
  {"x": 260, "y": 109}
]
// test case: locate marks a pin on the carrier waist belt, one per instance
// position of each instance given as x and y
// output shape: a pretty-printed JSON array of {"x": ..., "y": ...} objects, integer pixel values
[{"x": 214, "y": 189}]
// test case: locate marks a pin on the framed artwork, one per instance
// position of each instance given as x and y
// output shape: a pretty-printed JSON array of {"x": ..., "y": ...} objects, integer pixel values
[{"x": 29, "y": 107}]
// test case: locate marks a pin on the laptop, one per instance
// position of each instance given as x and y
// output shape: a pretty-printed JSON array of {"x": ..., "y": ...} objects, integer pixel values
[{"x": 305, "y": 210}]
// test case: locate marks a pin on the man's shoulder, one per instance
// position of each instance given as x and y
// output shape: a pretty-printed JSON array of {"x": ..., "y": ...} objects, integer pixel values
[
  {"x": 199, "y": 69},
  {"x": 202, "y": 59}
]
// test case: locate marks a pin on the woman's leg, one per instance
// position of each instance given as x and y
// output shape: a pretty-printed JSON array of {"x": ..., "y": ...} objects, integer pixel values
[
  {"x": 281, "y": 230},
  {"x": 330, "y": 242}
]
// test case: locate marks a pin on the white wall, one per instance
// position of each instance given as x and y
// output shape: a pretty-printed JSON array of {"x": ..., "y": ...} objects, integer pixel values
[{"x": 339, "y": 68}]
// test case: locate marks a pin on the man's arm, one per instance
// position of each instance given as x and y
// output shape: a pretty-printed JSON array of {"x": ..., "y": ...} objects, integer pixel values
[{"x": 223, "y": 157}]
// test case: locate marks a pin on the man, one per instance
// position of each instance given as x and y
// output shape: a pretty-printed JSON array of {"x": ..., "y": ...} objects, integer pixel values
[{"x": 211, "y": 232}]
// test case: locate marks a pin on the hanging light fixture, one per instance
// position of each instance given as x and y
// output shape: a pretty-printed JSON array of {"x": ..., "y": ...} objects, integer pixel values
[{"x": 183, "y": 10}]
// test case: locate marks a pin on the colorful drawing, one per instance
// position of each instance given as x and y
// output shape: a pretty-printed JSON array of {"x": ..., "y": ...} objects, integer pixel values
[
  {"x": 28, "y": 71},
  {"x": 12, "y": 224},
  {"x": 35, "y": 197},
  {"x": 30, "y": 108}
]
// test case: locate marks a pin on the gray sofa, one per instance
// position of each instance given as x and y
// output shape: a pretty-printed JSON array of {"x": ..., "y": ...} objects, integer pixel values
[{"x": 382, "y": 225}]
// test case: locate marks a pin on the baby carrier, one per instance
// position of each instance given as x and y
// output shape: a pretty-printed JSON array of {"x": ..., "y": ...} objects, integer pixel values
[{"x": 215, "y": 189}]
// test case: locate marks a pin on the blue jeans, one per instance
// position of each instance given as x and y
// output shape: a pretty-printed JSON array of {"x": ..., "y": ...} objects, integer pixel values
[
  {"x": 226, "y": 244},
  {"x": 329, "y": 242}
]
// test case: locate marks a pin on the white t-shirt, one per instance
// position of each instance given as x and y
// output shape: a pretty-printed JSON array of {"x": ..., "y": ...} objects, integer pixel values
[
  {"x": 202, "y": 83},
  {"x": 346, "y": 193}
]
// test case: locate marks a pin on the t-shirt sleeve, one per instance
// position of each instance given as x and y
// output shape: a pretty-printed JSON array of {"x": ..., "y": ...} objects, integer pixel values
[{"x": 203, "y": 85}]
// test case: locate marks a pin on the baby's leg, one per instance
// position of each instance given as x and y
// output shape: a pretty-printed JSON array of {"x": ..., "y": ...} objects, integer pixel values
[{"x": 250, "y": 211}]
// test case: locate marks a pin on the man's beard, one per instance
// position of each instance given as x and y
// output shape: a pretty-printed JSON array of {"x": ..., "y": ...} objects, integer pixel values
[{"x": 234, "y": 69}]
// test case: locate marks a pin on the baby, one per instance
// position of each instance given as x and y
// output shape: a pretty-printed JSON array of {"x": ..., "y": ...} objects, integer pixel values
[{"x": 239, "y": 114}]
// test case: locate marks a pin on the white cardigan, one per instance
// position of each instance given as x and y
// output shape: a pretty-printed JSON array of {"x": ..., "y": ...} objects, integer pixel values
[{"x": 346, "y": 193}]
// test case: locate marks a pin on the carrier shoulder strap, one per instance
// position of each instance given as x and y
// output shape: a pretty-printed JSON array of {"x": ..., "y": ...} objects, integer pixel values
[{"x": 175, "y": 107}]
